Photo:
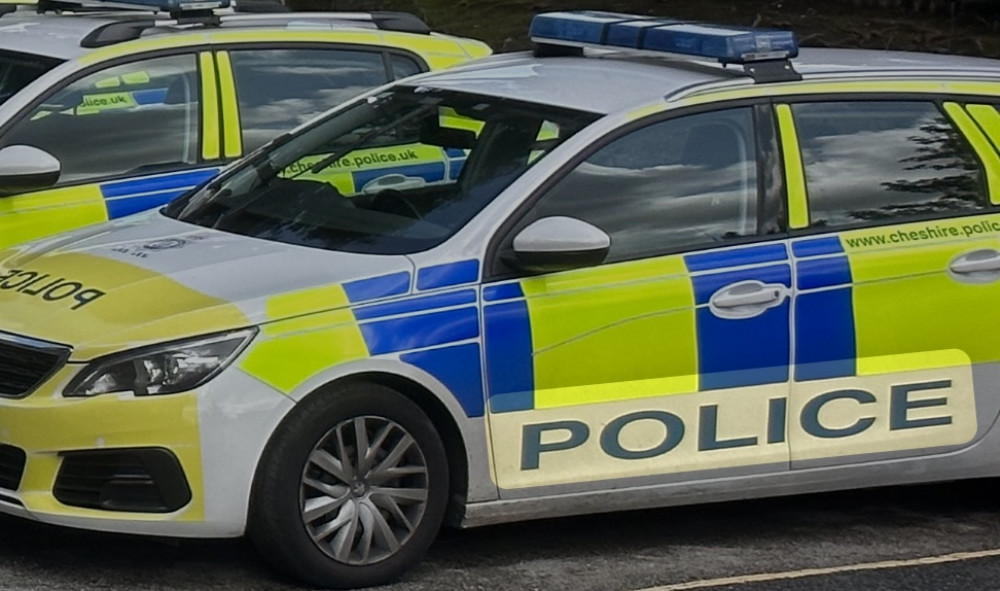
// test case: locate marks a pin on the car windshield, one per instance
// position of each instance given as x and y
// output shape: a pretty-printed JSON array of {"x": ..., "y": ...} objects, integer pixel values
[
  {"x": 396, "y": 173},
  {"x": 17, "y": 70}
]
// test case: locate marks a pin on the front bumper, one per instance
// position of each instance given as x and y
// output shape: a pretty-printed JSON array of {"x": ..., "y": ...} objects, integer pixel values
[{"x": 215, "y": 436}]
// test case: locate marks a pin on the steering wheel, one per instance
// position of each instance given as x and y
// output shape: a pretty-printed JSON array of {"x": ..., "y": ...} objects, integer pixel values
[{"x": 396, "y": 198}]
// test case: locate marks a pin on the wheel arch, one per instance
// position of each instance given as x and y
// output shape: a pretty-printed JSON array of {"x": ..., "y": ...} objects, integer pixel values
[
  {"x": 424, "y": 391},
  {"x": 445, "y": 424}
]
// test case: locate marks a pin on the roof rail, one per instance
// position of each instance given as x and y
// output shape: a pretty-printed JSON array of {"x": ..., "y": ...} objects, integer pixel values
[
  {"x": 260, "y": 6},
  {"x": 116, "y": 32},
  {"x": 401, "y": 22}
]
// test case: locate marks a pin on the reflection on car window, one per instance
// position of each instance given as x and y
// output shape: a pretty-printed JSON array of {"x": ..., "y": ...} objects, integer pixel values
[
  {"x": 398, "y": 173},
  {"x": 279, "y": 89},
  {"x": 869, "y": 162},
  {"x": 137, "y": 117},
  {"x": 18, "y": 70},
  {"x": 403, "y": 66},
  {"x": 673, "y": 185}
]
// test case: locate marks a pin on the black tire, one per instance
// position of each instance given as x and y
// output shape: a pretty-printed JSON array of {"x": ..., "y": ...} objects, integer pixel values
[{"x": 295, "y": 473}]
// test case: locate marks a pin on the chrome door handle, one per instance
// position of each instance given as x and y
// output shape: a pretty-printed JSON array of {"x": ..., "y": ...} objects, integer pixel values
[
  {"x": 747, "y": 299},
  {"x": 978, "y": 266}
]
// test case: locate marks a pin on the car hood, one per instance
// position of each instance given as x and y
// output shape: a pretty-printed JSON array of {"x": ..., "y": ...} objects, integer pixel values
[{"x": 149, "y": 279}]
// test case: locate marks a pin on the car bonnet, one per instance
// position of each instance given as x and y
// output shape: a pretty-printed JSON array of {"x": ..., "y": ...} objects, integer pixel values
[{"x": 149, "y": 279}]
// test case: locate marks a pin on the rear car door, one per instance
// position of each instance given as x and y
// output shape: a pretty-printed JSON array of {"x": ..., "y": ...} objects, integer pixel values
[
  {"x": 670, "y": 360},
  {"x": 897, "y": 266},
  {"x": 129, "y": 137}
]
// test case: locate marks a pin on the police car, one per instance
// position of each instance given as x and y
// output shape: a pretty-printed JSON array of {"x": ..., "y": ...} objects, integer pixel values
[
  {"x": 107, "y": 109},
  {"x": 663, "y": 263}
]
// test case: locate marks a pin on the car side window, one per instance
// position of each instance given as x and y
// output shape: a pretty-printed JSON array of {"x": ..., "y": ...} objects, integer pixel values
[
  {"x": 131, "y": 118},
  {"x": 674, "y": 185},
  {"x": 278, "y": 89},
  {"x": 878, "y": 162},
  {"x": 403, "y": 66}
]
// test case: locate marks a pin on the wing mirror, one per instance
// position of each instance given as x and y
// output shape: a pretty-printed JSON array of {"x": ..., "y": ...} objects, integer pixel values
[
  {"x": 26, "y": 168},
  {"x": 559, "y": 243}
]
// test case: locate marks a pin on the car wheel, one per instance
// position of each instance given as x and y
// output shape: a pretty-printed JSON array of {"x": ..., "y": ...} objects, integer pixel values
[{"x": 351, "y": 489}]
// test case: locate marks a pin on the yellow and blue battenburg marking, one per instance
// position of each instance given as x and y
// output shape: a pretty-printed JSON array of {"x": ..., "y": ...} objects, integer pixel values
[
  {"x": 748, "y": 351},
  {"x": 824, "y": 311},
  {"x": 436, "y": 332},
  {"x": 133, "y": 195},
  {"x": 724, "y": 353}
]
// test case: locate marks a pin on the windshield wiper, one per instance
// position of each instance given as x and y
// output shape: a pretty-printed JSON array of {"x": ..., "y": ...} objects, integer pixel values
[{"x": 337, "y": 155}]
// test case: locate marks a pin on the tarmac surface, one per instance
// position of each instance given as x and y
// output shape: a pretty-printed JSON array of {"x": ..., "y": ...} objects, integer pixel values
[{"x": 934, "y": 538}]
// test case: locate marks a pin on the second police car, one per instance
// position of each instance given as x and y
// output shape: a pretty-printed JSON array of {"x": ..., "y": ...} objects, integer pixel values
[
  {"x": 109, "y": 109},
  {"x": 678, "y": 265}
]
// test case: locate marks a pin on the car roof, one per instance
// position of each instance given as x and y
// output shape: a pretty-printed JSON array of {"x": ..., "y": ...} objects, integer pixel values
[
  {"x": 605, "y": 81},
  {"x": 61, "y": 36}
]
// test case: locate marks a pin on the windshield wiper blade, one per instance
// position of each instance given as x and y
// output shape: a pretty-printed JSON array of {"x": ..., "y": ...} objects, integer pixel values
[{"x": 335, "y": 156}]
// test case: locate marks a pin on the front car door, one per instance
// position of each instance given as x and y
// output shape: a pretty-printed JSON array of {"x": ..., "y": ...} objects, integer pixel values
[
  {"x": 897, "y": 278},
  {"x": 670, "y": 360},
  {"x": 129, "y": 137}
]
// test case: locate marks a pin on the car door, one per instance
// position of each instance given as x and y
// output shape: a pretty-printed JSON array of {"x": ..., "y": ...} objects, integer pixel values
[
  {"x": 669, "y": 360},
  {"x": 129, "y": 137},
  {"x": 897, "y": 269}
]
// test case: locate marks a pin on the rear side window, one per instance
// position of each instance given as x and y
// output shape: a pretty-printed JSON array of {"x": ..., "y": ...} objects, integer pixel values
[
  {"x": 17, "y": 70},
  {"x": 875, "y": 162},
  {"x": 278, "y": 89}
]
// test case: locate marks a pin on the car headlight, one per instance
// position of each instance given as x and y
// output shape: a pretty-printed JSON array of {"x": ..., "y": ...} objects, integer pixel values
[{"x": 161, "y": 369}]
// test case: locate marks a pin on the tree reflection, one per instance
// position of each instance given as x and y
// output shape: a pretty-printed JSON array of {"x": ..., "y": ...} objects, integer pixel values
[{"x": 945, "y": 176}]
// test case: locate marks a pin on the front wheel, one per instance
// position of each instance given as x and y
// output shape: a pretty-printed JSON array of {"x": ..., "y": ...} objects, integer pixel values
[{"x": 352, "y": 488}]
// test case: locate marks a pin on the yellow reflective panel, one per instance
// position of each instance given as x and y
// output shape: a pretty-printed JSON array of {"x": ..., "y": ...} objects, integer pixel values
[
  {"x": 795, "y": 180},
  {"x": 136, "y": 78},
  {"x": 112, "y": 82},
  {"x": 987, "y": 118},
  {"x": 909, "y": 306},
  {"x": 613, "y": 332},
  {"x": 232, "y": 134},
  {"x": 210, "y": 148},
  {"x": 134, "y": 48},
  {"x": 289, "y": 352},
  {"x": 46, "y": 424},
  {"x": 94, "y": 103},
  {"x": 34, "y": 215},
  {"x": 450, "y": 118},
  {"x": 340, "y": 172},
  {"x": 103, "y": 305},
  {"x": 834, "y": 86},
  {"x": 989, "y": 157}
]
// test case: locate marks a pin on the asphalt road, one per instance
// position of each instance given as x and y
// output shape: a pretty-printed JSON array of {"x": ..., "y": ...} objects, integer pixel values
[{"x": 667, "y": 550}]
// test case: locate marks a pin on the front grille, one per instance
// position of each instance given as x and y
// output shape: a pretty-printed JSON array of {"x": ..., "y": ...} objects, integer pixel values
[
  {"x": 26, "y": 363},
  {"x": 11, "y": 466}
]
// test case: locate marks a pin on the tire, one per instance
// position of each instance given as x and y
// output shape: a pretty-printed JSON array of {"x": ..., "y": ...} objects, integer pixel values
[{"x": 320, "y": 519}]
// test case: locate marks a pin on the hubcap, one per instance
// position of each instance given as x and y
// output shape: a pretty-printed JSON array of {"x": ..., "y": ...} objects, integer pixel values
[{"x": 363, "y": 490}]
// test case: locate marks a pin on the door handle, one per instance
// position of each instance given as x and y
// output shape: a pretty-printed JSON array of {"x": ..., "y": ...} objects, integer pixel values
[
  {"x": 747, "y": 299},
  {"x": 978, "y": 266}
]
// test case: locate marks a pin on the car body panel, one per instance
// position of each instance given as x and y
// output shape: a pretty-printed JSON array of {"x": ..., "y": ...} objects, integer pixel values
[{"x": 607, "y": 387}]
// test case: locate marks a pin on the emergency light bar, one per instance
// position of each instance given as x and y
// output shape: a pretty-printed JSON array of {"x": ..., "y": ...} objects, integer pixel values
[
  {"x": 171, "y": 6},
  {"x": 729, "y": 45},
  {"x": 176, "y": 8}
]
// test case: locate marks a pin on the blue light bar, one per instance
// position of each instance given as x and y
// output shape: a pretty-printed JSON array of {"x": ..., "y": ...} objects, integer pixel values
[
  {"x": 609, "y": 29},
  {"x": 171, "y": 6}
]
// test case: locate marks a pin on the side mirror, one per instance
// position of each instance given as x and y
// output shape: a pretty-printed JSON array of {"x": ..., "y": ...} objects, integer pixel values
[
  {"x": 26, "y": 168},
  {"x": 559, "y": 243}
]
